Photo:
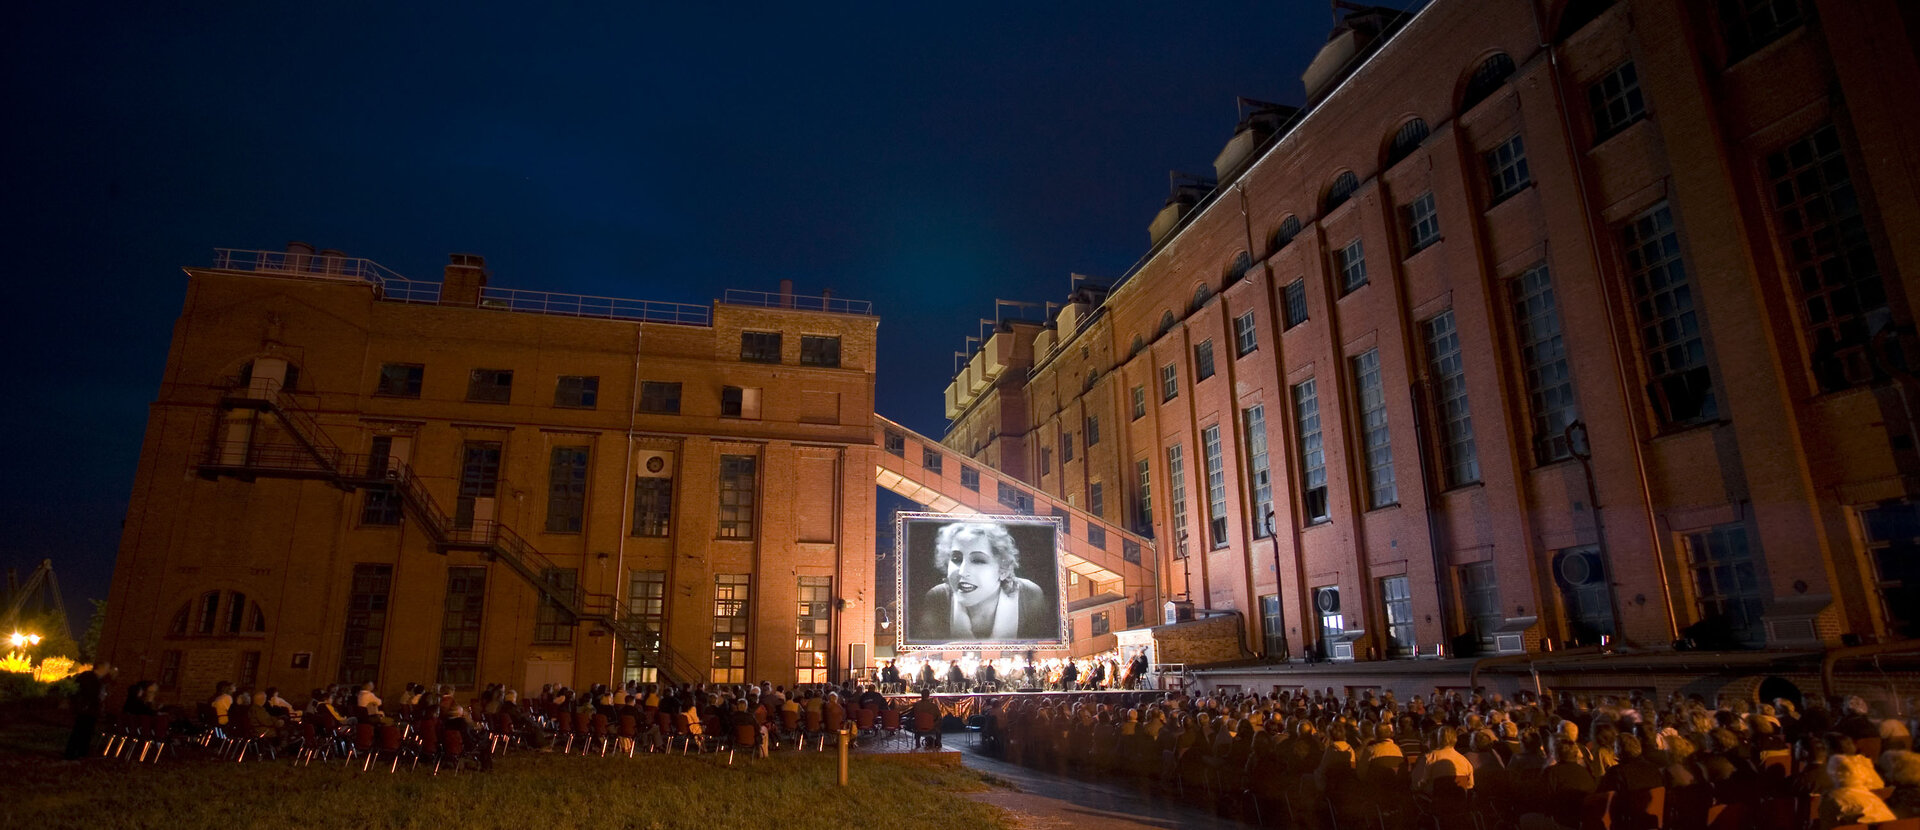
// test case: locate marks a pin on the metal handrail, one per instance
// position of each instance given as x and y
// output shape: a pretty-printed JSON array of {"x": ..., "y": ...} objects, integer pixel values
[
  {"x": 585, "y": 305},
  {"x": 769, "y": 299}
]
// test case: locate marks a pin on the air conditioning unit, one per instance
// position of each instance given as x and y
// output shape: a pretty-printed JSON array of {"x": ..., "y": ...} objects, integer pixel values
[
  {"x": 653, "y": 464},
  {"x": 1582, "y": 567},
  {"x": 1327, "y": 600}
]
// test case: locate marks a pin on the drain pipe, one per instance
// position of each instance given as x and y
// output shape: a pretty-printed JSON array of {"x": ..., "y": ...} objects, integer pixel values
[{"x": 626, "y": 512}]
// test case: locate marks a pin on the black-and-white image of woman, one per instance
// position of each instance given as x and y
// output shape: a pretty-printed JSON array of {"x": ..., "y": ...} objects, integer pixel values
[{"x": 982, "y": 596}]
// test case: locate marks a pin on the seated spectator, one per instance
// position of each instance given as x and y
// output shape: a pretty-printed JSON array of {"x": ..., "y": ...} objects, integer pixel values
[
  {"x": 277, "y": 704},
  {"x": 1851, "y": 801},
  {"x": 458, "y": 720},
  {"x": 221, "y": 703},
  {"x": 1443, "y": 763},
  {"x": 1902, "y": 768},
  {"x": 142, "y": 699}
]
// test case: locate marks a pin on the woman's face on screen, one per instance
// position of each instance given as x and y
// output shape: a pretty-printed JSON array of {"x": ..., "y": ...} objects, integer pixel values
[{"x": 973, "y": 574}]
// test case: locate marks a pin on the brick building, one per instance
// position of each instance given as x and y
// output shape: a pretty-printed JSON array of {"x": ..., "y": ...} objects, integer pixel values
[
  {"x": 1541, "y": 322},
  {"x": 351, "y": 476}
]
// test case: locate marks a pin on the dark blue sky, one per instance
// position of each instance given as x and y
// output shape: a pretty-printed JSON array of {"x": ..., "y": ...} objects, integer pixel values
[{"x": 927, "y": 160}]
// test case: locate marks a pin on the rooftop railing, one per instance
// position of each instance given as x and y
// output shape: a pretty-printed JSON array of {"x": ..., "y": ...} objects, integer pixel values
[
  {"x": 582, "y": 305},
  {"x": 770, "y": 299}
]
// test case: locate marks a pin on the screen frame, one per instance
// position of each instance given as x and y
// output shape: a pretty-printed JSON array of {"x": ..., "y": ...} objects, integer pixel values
[{"x": 901, "y": 521}]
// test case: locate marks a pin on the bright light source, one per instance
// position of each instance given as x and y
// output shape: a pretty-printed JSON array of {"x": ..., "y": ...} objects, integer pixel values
[{"x": 18, "y": 639}]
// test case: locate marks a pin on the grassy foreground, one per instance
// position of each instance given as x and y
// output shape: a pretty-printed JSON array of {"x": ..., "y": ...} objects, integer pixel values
[{"x": 524, "y": 790}]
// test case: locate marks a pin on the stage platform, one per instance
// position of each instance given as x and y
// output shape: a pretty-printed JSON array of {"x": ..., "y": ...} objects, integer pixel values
[{"x": 964, "y": 705}]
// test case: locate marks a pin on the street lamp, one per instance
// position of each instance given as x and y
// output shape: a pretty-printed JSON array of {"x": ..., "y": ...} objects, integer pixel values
[{"x": 19, "y": 640}]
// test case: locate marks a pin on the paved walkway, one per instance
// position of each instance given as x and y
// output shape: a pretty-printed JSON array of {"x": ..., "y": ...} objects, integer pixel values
[{"x": 1044, "y": 801}]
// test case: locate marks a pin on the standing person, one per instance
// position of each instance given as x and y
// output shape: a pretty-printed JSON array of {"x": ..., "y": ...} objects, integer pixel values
[
  {"x": 87, "y": 703},
  {"x": 1069, "y": 676}
]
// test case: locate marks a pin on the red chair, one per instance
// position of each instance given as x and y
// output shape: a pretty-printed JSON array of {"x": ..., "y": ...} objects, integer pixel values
[
  {"x": 816, "y": 725},
  {"x": 453, "y": 745},
  {"x": 629, "y": 732},
  {"x": 926, "y": 729},
  {"x": 1868, "y": 748},
  {"x": 597, "y": 731},
  {"x": 863, "y": 720},
  {"x": 836, "y": 718},
  {"x": 790, "y": 725},
  {"x": 890, "y": 721},
  {"x": 1639, "y": 809},
  {"x": 387, "y": 743},
  {"x": 429, "y": 746},
  {"x": 747, "y": 737},
  {"x": 1901, "y": 824},
  {"x": 563, "y": 725}
]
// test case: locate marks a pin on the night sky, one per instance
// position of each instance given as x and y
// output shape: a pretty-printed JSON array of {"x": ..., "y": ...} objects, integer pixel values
[{"x": 929, "y": 159}]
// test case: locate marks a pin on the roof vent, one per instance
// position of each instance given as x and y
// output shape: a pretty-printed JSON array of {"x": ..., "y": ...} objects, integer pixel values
[
  {"x": 1184, "y": 191},
  {"x": 1259, "y": 121},
  {"x": 1362, "y": 30}
]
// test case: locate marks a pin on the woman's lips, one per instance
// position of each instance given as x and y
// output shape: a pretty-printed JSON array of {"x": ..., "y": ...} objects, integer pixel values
[{"x": 967, "y": 587}]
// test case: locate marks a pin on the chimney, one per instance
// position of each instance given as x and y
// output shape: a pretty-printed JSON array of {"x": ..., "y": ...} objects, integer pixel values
[
  {"x": 465, "y": 275},
  {"x": 786, "y": 293}
]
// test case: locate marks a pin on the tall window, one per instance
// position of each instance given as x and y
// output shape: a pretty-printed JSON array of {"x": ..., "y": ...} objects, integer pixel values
[
  {"x": 652, "y": 506},
  {"x": 819, "y": 351},
  {"x": 1480, "y": 594},
  {"x": 1046, "y": 460},
  {"x": 1245, "y": 339},
  {"x": 1143, "y": 497},
  {"x": 1543, "y": 360},
  {"x": 382, "y": 505},
  {"x": 552, "y": 623},
  {"x": 400, "y": 380},
  {"x": 660, "y": 397},
  {"x": 566, "y": 489},
  {"x": 479, "y": 479},
  {"x": 577, "y": 392},
  {"x": 460, "y": 626},
  {"x": 1273, "y": 627},
  {"x": 1670, "y": 342},
  {"x": 814, "y": 632},
  {"x": 1829, "y": 255},
  {"x": 1169, "y": 383},
  {"x": 1139, "y": 402},
  {"x": 1507, "y": 169},
  {"x": 1313, "y": 457},
  {"x": 738, "y": 478},
  {"x": 1459, "y": 464},
  {"x": 366, "y": 628},
  {"x": 1066, "y": 446},
  {"x": 1254, "y": 420},
  {"x": 1891, "y": 531},
  {"x": 760, "y": 346},
  {"x": 1096, "y": 498},
  {"x": 1216, "y": 486},
  {"x": 490, "y": 386},
  {"x": 1421, "y": 221},
  {"x": 1616, "y": 101},
  {"x": 1487, "y": 78},
  {"x": 1351, "y": 262},
  {"x": 1396, "y": 596},
  {"x": 731, "y": 593},
  {"x": 1751, "y": 24},
  {"x": 1202, "y": 360},
  {"x": 1093, "y": 430},
  {"x": 647, "y": 603},
  {"x": 1177, "y": 499},
  {"x": 1378, "y": 444},
  {"x": 1726, "y": 583},
  {"x": 1293, "y": 302}
]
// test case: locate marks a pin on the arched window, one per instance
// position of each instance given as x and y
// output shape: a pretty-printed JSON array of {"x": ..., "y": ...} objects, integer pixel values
[
  {"x": 1486, "y": 80},
  {"x": 1166, "y": 322},
  {"x": 1201, "y": 294},
  {"x": 1406, "y": 140},
  {"x": 1289, "y": 228},
  {"x": 1139, "y": 345},
  {"x": 219, "y": 614},
  {"x": 1092, "y": 375},
  {"x": 1242, "y": 263},
  {"x": 1343, "y": 186}
]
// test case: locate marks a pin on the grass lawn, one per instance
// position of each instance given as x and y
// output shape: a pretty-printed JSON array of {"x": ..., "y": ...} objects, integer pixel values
[{"x": 525, "y": 790}]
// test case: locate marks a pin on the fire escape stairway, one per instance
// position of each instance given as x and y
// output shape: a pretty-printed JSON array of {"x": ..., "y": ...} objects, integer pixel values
[{"x": 312, "y": 455}]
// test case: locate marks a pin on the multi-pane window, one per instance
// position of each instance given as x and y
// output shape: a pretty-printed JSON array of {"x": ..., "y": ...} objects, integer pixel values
[
  {"x": 1273, "y": 627},
  {"x": 647, "y": 604},
  {"x": 1351, "y": 262},
  {"x": 566, "y": 489},
  {"x": 813, "y": 634},
  {"x": 552, "y": 623},
  {"x": 1130, "y": 551},
  {"x": 1096, "y": 498},
  {"x": 460, "y": 626},
  {"x": 1101, "y": 623},
  {"x": 818, "y": 350},
  {"x": 1066, "y": 446},
  {"x": 400, "y": 380},
  {"x": 1139, "y": 402},
  {"x": 970, "y": 478},
  {"x": 731, "y": 595},
  {"x": 249, "y": 673},
  {"x": 1313, "y": 457},
  {"x": 170, "y": 660},
  {"x": 1093, "y": 430},
  {"x": 1013, "y": 497},
  {"x": 1670, "y": 341},
  {"x": 760, "y": 346},
  {"x": 1177, "y": 499},
  {"x": 895, "y": 443},
  {"x": 382, "y": 505},
  {"x": 1284, "y": 235},
  {"x": 1396, "y": 596},
  {"x": 1421, "y": 221},
  {"x": 652, "y": 506},
  {"x": 1726, "y": 583},
  {"x": 1143, "y": 496},
  {"x": 1406, "y": 140},
  {"x": 1459, "y": 464},
  {"x": 1507, "y": 168},
  {"x": 1293, "y": 302},
  {"x": 1136, "y": 612},
  {"x": 1829, "y": 256},
  {"x": 1245, "y": 339},
  {"x": 1216, "y": 486},
  {"x": 738, "y": 478},
  {"x": 1259, "y": 472},
  {"x": 1480, "y": 594},
  {"x": 479, "y": 481},
  {"x": 1066, "y": 519},
  {"x": 1616, "y": 101},
  {"x": 1342, "y": 188},
  {"x": 1096, "y": 536},
  {"x": 930, "y": 460},
  {"x": 1377, "y": 445},
  {"x": 1169, "y": 382},
  {"x": 1487, "y": 77},
  {"x": 366, "y": 628},
  {"x": 1891, "y": 531},
  {"x": 490, "y": 385},
  {"x": 660, "y": 397},
  {"x": 1202, "y": 360},
  {"x": 1046, "y": 460},
  {"x": 1751, "y": 24},
  {"x": 577, "y": 392},
  {"x": 1543, "y": 362}
]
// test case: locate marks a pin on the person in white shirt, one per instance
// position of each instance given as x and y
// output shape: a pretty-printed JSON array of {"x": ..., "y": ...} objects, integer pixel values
[{"x": 1443, "y": 762}]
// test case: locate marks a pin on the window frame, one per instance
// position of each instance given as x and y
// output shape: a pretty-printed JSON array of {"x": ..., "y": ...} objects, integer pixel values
[{"x": 761, "y": 347}]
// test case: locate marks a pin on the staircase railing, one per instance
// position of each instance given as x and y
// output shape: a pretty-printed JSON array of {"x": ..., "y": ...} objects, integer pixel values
[{"x": 315, "y": 455}]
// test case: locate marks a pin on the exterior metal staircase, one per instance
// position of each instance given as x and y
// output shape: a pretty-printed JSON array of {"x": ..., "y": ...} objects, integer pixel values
[{"x": 311, "y": 455}]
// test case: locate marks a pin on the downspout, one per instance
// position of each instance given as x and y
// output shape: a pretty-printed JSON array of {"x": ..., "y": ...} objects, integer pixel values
[
  {"x": 1422, "y": 399},
  {"x": 626, "y": 506},
  {"x": 1620, "y": 376},
  {"x": 1833, "y": 657}
]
